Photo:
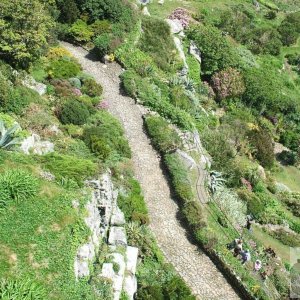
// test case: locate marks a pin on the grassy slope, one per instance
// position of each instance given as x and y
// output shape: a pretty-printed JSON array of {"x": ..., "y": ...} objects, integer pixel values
[
  {"x": 39, "y": 237},
  {"x": 290, "y": 176}
]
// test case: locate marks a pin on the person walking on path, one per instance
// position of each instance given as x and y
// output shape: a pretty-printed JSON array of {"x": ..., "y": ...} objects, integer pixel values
[
  {"x": 246, "y": 256},
  {"x": 238, "y": 247},
  {"x": 249, "y": 224},
  {"x": 257, "y": 265}
]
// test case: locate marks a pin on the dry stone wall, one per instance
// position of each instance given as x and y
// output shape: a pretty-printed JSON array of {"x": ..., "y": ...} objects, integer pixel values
[{"x": 106, "y": 222}]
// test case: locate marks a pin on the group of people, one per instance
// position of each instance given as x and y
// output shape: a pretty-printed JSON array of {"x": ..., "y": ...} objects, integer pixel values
[{"x": 237, "y": 247}]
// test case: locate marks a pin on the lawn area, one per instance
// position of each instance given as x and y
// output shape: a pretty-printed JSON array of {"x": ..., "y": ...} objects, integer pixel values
[
  {"x": 282, "y": 250},
  {"x": 290, "y": 176},
  {"x": 164, "y": 10}
]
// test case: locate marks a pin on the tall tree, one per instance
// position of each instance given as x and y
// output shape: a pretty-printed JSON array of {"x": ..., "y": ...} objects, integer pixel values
[{"x": 24, "y": 29}]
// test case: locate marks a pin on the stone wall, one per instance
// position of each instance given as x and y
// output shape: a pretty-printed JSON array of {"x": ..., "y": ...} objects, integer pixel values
[{"x": 106, "y": 222}]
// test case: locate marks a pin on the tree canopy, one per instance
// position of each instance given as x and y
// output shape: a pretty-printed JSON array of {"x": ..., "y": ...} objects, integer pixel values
[{"x": 24, "y": 29}]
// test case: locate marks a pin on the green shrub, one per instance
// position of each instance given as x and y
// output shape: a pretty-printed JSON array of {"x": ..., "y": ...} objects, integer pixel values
[
  {"x": 104, "y": 140},
  {"x": 285, "y": 237},
  {"x": 63, "y": 68},
  {"x": 66, "y": 166},
  {"x": 80, "y": 32},
  {"x": 5, "y": 91},
  {"x": 108, "y": 129},
  {"x": 176, "y": 115},
  {"x": 177, "y": 288},
  {"x": 62, "y": 87},
  {"x": 91, "y": 88},
  {"x": 216, "y": 51},
  {"x": 102, "y": 43},
  {"x": 155, "y": 33},
  {"x": 132, "y": 203},
  {"x": 74, "y": 112},
  {"x": 133, "y": 58},
  {"x": 194, "y": 215},
  {"x": 17, "y": 185},
  {"x": 292, "y": 201},
  {"x": 75, "y": 82},
  {"x": 262, "y": 142},
  {"x": 290, "y": 28},
  {"x": 263, "y": 90},
  {"x": 288, "y": 157},
  {"x": 69, "y": 11},
  {"x": 20, "y": 98},
  {"x": 130, "y": 79},
  {"x": 179, "y": 177},
  {"x": 21, "y": 290},
  {"x": 180, "y": 99},
  {"x": 100, "y": 26},
  {"x": 254, "y": 205},
  {"x": 162, "y": 135},
  {"x": 282, "y": 282}
]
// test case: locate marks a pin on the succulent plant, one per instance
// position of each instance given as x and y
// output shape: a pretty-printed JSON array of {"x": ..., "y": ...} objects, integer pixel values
[{"x": 7, "y": 139}]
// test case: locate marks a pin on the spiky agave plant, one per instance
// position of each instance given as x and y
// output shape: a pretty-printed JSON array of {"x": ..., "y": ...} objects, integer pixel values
[
  {"x": 216, "y": 181},
  {"x": 7, "y": 139}
]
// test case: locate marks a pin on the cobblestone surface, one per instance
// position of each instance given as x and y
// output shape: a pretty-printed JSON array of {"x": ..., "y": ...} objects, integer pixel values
[{"x": 199, "y": 272}]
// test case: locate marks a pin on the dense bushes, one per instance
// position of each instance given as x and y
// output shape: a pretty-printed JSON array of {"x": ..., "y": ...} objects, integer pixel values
[
  {"x": 292, "y": 201},
  {"x": 179, "y": 177},
  {"x": 152, "y": 96},
  {"x": 263, "y": 90},
  {"x": 69, "y": 167},
  {"x": 290, "y": 28},
  {"x": 216, "y": 51},
  {"x": 228, "y": 83},
  {"x": 263, "y": 145},
  {"x": 80, "y": 32},
  {"x": 162, "y": 135},
  {"x": 17, "y": 185},
  {"x": 156, "y": 33},
  {"x": 63, "y": 68},
  {"x": 105, "y": 137},
  {"x": 91, "y": 88},
  {"x": 74, "y": 112},
  {"x": 288, "y": 238},
  {"x": 132, "y": 203},
  {"x": 25, "y": 27}
]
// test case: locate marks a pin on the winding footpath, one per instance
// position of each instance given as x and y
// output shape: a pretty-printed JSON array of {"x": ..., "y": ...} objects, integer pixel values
[{"x": 196, "y": 268}]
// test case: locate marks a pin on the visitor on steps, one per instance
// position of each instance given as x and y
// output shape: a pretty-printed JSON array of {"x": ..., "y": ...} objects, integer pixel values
[
  {"x": 249, "y": 223},
  {"x": 246, "y": 256},
  {"x": 238, "y": 247},
  {"x": 257, "y": 265}
]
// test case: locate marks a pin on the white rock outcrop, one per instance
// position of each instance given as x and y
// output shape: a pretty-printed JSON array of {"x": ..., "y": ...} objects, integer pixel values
[
  {"x": 193, "y": 50},
  {"x": 33, "y": 144},
  {"x": 104, "y": 218},
  {"x": 34, "y": 85},
  {"x": 175, "y": 26}
]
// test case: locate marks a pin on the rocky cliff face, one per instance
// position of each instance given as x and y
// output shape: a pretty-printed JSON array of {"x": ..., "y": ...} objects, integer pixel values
[{"x": 106, "y": 222}]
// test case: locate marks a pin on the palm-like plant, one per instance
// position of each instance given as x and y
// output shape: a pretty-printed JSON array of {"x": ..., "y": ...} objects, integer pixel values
[
  {"x": 216, "y": 181},
  {"x": 7, "y": 139}
]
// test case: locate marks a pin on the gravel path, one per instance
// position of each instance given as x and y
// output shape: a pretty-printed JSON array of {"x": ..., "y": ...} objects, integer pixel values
[{"x": 199, "y": 272}]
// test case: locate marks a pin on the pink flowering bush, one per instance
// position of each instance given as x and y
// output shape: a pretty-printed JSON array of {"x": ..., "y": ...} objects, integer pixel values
[
  {"x": 247, "y": 184},
  {"x": 182, "y": 15},
  {"x": 228, "y": 83},
  {"x": 103, "y": 105},
  {"x": 77, "y": 92}
]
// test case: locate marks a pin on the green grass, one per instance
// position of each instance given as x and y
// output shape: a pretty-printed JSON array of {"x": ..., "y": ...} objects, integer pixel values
[
  {"x": 39, "y": 238},
  {"x": 282, "y": 250},
  {"x": 194, "y": 6},
  {"x": 290, "y": 176}
]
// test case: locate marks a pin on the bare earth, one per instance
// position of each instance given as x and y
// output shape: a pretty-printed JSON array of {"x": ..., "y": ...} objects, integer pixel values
[{"x": 196, "y": 268}]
